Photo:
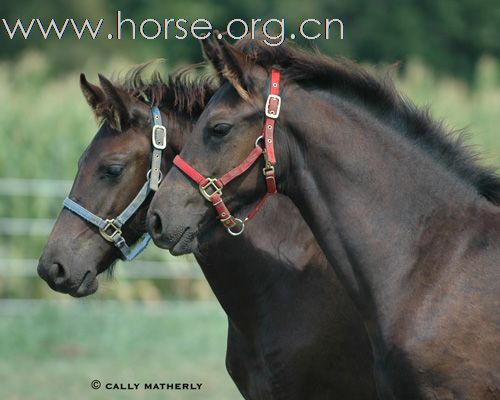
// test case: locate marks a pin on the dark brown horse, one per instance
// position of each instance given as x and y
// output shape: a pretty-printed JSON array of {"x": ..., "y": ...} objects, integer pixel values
[
  {"x": 400, "y": 209},
  {"x": 293, "y": 333}
]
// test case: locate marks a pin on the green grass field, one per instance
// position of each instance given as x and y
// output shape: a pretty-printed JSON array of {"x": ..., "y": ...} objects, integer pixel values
[{"x": 52, "y": 351}]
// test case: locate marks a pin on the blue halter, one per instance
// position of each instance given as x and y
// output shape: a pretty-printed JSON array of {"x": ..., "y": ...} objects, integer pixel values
[{"x": 110, "y": 229}]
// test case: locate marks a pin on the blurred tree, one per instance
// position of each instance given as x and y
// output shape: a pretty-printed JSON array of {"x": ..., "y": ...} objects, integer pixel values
[{"x": 449, "y": 35}]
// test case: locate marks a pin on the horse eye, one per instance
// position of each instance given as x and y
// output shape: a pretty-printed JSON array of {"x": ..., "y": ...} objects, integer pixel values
[
  {"x": 221, "y": 129},
  {"x": 114, "y": 170}
]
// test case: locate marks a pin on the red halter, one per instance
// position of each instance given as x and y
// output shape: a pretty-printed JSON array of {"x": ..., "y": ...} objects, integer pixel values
[{"x": 272, "y": 110}]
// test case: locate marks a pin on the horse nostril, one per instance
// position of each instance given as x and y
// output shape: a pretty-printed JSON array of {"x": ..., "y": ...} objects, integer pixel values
[
  {"x": 156, "y": 225},
  {"x": 58, "y": 273}
]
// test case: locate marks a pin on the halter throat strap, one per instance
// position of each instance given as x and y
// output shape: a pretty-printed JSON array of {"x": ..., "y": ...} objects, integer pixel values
[
  {"x": 110, "y": 229},
  {"x": 211, "y": 188}
]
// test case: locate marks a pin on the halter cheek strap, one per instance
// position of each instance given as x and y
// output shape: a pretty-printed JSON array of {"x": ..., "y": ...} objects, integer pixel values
[
  {"x": 159, "y": 141},
  {"x": 110, "y": 229},
  {"x": 211, "y": 188}
]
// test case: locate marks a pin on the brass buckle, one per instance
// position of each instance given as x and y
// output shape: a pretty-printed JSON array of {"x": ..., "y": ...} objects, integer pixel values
[
  {"x": 267, "y": 168},
  {"x": 110, "y": 225},
  {"x": 210, "y": 184}
]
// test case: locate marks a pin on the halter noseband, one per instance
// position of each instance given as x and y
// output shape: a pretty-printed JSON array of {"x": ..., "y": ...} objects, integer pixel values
[
  {"x": 215, "y": 185},
  {"x": 110, "y": 229}
]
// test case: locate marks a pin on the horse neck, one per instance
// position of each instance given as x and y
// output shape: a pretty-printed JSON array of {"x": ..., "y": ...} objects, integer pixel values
[
  {"x": 253, "y": 273},
  {"x": 234, "y": 284},
  {"x": 367, "y": 192}
]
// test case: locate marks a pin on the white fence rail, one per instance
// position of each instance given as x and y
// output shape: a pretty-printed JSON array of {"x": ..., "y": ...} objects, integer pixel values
[
  {"x": 34, "y": 187},
  {"x": 25, "y": 226}
]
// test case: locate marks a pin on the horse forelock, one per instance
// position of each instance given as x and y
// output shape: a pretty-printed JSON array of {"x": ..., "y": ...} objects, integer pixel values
[{"x": 185, "y": 92}]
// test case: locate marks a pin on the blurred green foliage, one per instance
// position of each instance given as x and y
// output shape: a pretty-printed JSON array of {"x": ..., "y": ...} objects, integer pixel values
[
  {"x": 45, "y": 123},
  {"x": 448, "y": 35}
]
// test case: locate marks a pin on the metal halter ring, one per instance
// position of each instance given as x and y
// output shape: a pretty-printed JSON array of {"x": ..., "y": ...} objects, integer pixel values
[
  {"x": 148, "y": 176},
  {"x": 258, "y": 140},
  {"x": 242, "y": 227}
]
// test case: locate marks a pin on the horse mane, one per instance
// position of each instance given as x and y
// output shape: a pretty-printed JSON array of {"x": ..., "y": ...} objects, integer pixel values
[
  {"x": 379, "y": 96},
  {"x": 184, "y": 92}
]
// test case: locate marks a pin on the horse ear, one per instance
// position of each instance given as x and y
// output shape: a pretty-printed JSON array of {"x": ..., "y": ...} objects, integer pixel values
[
  {"x": 120, "y": 116},
  {"x": 92, "y": 93},
  {"x": 211, "y": 48},
  {"x": 229, "y": 62}
]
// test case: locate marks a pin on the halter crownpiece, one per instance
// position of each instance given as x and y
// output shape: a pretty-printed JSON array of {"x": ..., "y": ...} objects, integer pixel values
[
  {"x": 110, "y": 229},
  {"x": 211, "y": 188}
]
